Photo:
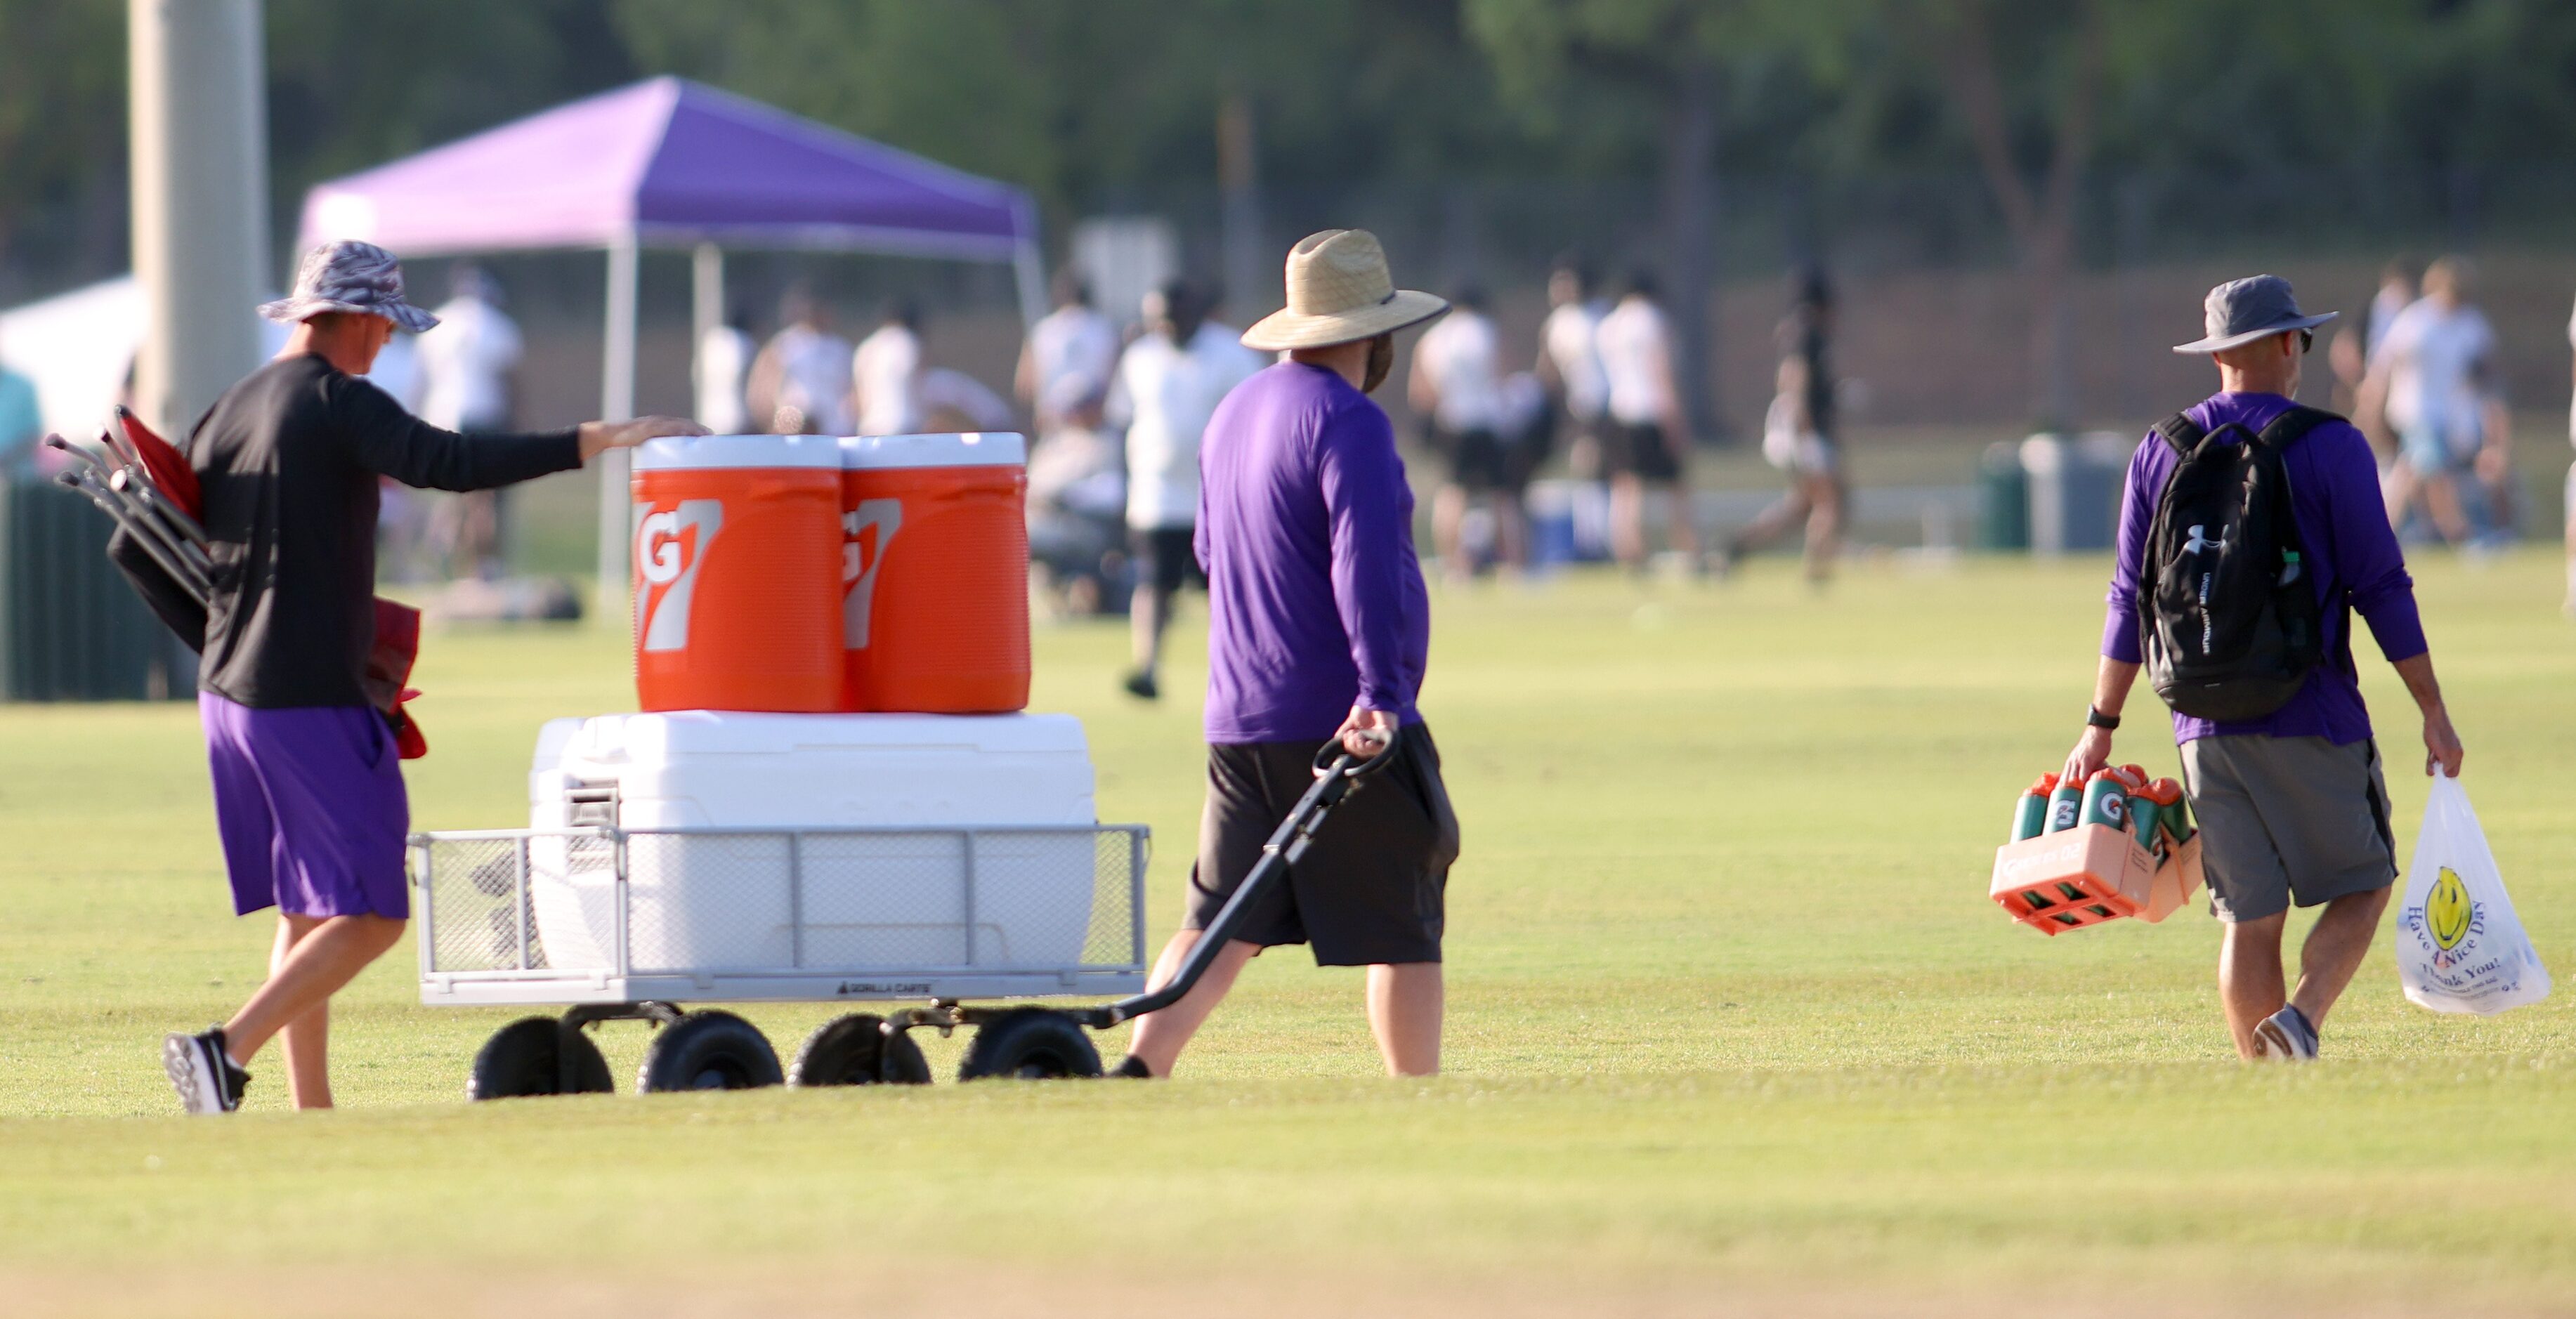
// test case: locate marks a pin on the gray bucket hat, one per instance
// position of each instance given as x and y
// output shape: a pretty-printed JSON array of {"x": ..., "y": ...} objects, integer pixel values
[
  {"x": 349, "y": 276},
  {"x": 2241, "y": 311}
]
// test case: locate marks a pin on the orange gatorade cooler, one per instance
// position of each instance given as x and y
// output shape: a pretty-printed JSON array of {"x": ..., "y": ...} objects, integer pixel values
[
  {"x": 738, "y": 573},
  {"x": 935, "y": 573}
]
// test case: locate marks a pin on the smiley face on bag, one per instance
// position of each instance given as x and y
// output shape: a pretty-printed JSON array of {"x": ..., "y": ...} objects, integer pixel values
[{"x": 2448, "y": 913}]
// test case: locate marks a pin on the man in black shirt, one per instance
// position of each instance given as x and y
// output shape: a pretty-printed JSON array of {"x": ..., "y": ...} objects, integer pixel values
[{"x": 308, "y": 794}]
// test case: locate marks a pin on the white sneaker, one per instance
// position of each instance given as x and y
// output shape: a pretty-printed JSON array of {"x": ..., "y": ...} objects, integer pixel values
[
  {"x": 203, "y": 1072},
  {"x": 2285, "y": 1037}
]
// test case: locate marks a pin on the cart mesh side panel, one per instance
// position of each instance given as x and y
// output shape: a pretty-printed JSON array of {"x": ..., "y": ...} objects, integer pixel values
[
  {"x": 1116, "y": 937},
  {"x": 473, "y": 907}
]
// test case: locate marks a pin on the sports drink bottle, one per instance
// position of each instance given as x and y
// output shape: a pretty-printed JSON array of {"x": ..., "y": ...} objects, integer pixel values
[
  {"x": 2030, "y": 813},
  {"x": 2106, "y": 799},
  {"x": 2065, "y": 804},
  {"x": 2157, "y": 810}
]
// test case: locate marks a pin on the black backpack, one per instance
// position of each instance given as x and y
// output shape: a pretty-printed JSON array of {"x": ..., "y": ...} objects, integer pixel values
[{"x": 2228, "y": 616}]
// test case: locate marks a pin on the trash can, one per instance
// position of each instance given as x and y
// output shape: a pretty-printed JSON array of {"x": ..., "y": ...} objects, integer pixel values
[
  {"x": 70, "y": 627},
  {"x": 2074, "y": 490},
  {"x": 2003, "y": 499}
]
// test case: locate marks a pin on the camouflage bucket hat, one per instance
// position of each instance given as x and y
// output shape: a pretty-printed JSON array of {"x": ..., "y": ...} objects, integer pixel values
[{"x": 349, "y": 276}]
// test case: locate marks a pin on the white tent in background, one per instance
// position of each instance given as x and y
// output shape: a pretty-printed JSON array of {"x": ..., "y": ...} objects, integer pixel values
[{"x": 79, "y": 347}]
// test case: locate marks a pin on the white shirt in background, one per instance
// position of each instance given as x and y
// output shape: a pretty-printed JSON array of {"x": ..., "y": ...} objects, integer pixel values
[
  {"x": 1074, "y": 350},
  {"x": 724, "y": 356},
  {"x": 465, "y": 363},
  {"x": 1164, "y": 395},
  {"x": 1571, "y": 338},
  {"x": 1636, "y": 362},
  {"x": 887, "y": 366},
  {"x": 1459, "y": 354},
  {"x": 2433, "y": 355},
  {"x": 397, "y": 372},
  {"x": 813, "y": 378}
]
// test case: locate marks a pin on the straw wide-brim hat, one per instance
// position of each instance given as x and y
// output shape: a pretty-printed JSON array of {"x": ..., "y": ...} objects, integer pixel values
[{"x": 1339, "y": 291}]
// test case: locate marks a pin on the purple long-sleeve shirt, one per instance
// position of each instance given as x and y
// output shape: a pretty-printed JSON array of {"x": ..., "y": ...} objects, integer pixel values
[
  {"x": 1315, "y": 596},
  {"x": 2351, "y": 555}
]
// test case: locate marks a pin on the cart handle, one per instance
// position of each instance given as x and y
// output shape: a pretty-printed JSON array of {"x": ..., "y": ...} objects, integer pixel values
[{"x": 1331, "y": 759}]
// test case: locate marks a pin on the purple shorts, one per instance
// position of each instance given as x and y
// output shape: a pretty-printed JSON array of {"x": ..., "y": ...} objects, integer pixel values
[{"x": 310, "y": 804}]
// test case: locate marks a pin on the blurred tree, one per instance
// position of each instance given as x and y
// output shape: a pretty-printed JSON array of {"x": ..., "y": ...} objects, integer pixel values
[
  {"x": 2032, "y": 135},
  {"x": 353, "y": 85},
  {"x": 62, "y": 124},
  {"x": 1669, "y": 63},
  {"x": 1084, "y": 103}
]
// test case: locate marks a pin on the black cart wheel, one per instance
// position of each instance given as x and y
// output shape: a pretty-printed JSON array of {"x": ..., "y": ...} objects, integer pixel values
[
  {"x": 707, "y": 1051},
  {"x": 538, "y": 1056},
  {"x": 1030, "y": 1044},
  {"x": 856, "y": 1050}
]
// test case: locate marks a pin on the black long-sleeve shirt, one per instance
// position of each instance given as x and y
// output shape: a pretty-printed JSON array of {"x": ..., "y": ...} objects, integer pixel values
[{"x": 289, "y": 459}]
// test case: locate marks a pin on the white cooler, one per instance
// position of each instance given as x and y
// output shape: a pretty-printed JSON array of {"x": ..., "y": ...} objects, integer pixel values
[{"x": 701, "y": 902}]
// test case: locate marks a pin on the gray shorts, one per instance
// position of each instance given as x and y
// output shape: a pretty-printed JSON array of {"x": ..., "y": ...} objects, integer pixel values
[{"x": 2287, "y": 817}]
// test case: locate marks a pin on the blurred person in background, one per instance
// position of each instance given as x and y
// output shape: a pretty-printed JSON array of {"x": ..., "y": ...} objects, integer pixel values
[
  {"x": 1168, "y": 384},
  {"x": 1077, "y": 481},
  {"x": 22, "y": 424},
  {"x": 2435, "y": 380},
  {"x": 800, "y": 382},
  {"x": 953, "y": 401},
  {"x": 1798, "y": 434},
  {"x": 469, "y": 369},
  {"x": 1569, "y": 359},
  {"x": 1647, "y": 443},
  {"x": 720, "y": 372},
  {"x": 886, "y": 371},
  {"x": 1456, "y": 386},
  {"x": 2398, "y": 289},
  {"x": 1065, "y": 366}
]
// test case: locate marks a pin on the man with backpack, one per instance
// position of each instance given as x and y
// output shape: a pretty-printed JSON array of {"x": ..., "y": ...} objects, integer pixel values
[{"x": 2251, "y": 531}]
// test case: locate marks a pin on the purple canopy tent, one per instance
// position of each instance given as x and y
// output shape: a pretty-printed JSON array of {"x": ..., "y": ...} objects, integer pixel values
[{"x": 671, "y": 163}]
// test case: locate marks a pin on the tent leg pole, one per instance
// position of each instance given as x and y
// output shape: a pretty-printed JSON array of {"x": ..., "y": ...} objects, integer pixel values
[
  {"x": 706, "y": 298},
  {"x": 1030, "y": 266},
  {"x": 616, "y": 403}
]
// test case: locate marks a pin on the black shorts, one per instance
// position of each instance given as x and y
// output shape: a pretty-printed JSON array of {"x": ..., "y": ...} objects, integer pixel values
[
  {"x": 1478, "y": 460},
  {"x": 1167, "y": 558},
  {"x": 1638, "y": 451},
  {"x": 1371, "y": 888}
]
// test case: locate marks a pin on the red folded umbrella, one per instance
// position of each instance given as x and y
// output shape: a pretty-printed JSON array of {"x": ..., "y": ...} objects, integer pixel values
[{"x": 397, "y": 647}]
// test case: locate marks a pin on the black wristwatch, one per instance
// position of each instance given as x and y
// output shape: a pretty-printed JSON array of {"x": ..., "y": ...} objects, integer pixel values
[{"x": 2096, "y": 719}]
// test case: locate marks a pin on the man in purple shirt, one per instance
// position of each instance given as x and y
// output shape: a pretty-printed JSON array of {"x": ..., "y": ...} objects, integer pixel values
[
  {"x": 1318, "y": 627},
  {"x": 2292, "y": 805}
]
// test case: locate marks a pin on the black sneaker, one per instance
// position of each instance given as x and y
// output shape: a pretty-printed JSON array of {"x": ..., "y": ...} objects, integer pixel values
[
  {"x": 1142, "y": 686},
  {"x": 203, "y": 1072},
  {"x": 1133, "y": 1066}
]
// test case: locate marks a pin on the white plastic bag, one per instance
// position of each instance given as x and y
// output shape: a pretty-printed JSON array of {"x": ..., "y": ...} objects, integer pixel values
[{"x": 2460, "y": 948}]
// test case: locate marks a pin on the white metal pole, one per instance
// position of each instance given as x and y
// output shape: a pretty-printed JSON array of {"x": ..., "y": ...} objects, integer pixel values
[
  {"x": 706, "y": 304},
  {"x": 706, "y": 289},
  {"x": 199, "y": 139},
  {"x": 616, "y": 403},
  {"x": 1030, "y": 265}
]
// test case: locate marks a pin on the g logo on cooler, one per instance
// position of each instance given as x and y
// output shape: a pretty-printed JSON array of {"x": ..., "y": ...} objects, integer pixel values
[
  {"x": 667, "y": 558},
  {"x": 657, "y": 541}
]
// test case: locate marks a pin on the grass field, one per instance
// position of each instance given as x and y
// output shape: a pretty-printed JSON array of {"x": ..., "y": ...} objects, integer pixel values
[{"x": 1733, "y": 1025}]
